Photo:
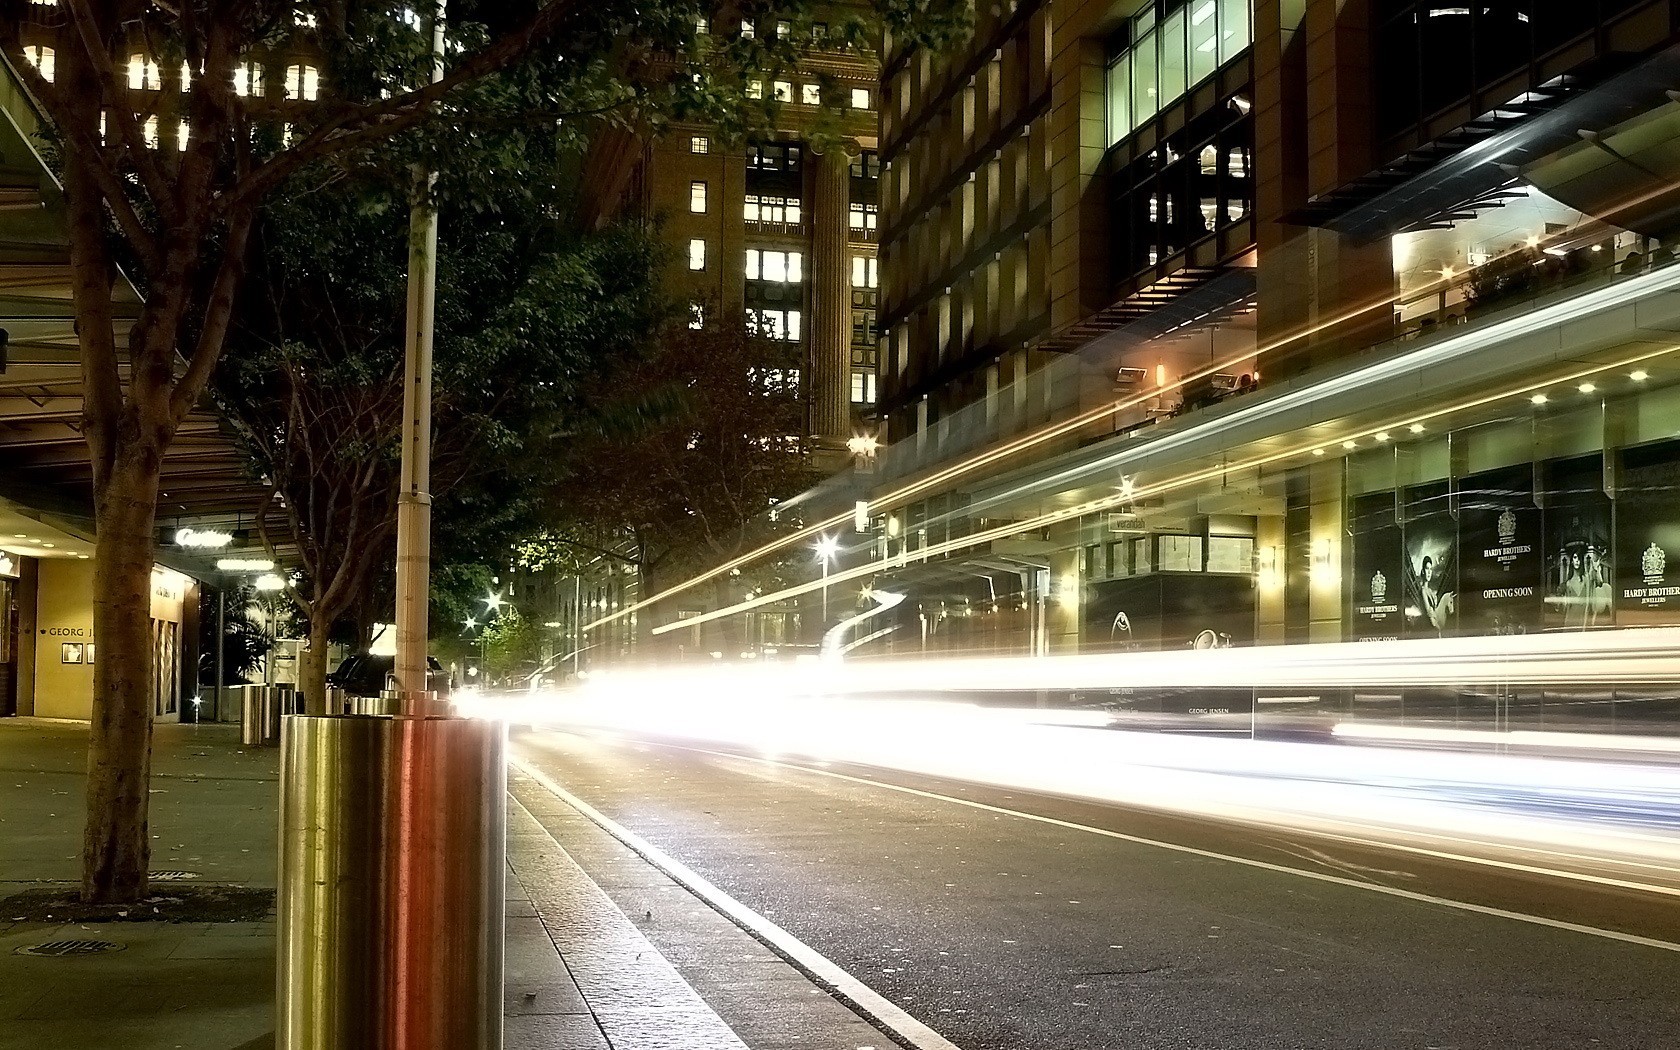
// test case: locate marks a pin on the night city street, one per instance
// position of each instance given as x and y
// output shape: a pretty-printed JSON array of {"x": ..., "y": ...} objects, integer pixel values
[
  {"x": 1002, "y": 931},
  {"x": 839, "y": 525}
]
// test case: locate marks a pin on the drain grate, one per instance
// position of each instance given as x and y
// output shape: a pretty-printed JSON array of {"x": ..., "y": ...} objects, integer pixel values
[
  {"x": 172, "y": 876},
  {"x": 62, "y": 949}
]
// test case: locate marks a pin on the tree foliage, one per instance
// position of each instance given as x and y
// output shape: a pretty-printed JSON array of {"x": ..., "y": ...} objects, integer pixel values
[{"x": 705, "y": 435}]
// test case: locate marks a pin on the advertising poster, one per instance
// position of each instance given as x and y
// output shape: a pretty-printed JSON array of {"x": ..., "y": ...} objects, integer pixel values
[
  {"x": 1376, "y": 588},
  {"x": 1577, "y": 589},
  {"x": 1431, "y": 585},
  {"x": 1176, "y": 611},
  {"x": 1499, "y": 554},
  {"x": 1123, "y": 616},
  {"x": 1207, "y": 611},
  {"x": 1648, "y": 536}
]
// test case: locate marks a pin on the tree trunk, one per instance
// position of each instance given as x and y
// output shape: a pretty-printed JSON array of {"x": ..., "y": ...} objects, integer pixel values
[
  {"x": 312, "y": 668},
  {"x": 116, "y": 846}
]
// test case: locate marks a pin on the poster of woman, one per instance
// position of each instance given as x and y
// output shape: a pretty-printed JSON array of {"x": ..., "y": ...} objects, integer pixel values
[
  {"x": 1578, "y": 588},
  {"x": 1431, "y": 538}
]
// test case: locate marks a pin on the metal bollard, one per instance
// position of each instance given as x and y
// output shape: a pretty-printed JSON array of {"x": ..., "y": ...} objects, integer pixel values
[
  {"x": 251, "y": 716},
  {"x": 393, "y": 835}
]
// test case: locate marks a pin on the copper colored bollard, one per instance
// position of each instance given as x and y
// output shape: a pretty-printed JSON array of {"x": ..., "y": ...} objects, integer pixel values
[{"x": 393, "y": 835}]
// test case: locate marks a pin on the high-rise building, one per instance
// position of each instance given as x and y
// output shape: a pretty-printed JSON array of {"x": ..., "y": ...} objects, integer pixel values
[
  {"x": 1209, "y": 322},
  {"x": 778, "y": 231}
]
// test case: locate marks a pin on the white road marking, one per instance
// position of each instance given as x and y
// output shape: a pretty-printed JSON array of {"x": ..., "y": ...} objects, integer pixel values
[
  {"x": 1368, "y": 887},
  {"x": 819, "y": 967}
]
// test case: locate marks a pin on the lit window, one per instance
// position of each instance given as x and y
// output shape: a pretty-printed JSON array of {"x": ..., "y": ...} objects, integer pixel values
[
  {"x": 793, "y": 324},
  {"x": 186, "y": 75},
  {"x": 781, "y": 267},
  {"x": 755, "y": 89},
  {"x": 863, "y": 388},
  {"x": 774, "y": 324},
  {"x": 769, "y": 208},
  {"x": 860, "y": 98},
  {"x": 702, "y": 25},
  {"x": 862, "y": 216},
  {"x": 697, "y": 254},
  {"x": 183, "y": 132},
  {"x": 696, "y": 316},
  {"x": 150, "y": 131},
  {"x": 864, "y": 272},
  {"x": 784, "y": 29},
  {"x": 303, "y": 19},
  {"x": 247, "y": 80},
  {"x": 697, "y": 197},
  {"x": 810, "y": 94},
  {"x": 699, "y": 144},
  {"x": 303, "y": 82},
  {"x": 142, "y": 73},
  {"x": 747, "y": 30},
  {"x": 42, "y": 58},
  {"x": 781, "y": 91}
]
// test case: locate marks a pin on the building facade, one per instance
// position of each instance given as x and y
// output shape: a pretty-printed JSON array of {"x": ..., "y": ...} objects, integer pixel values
[
  {"x": 1212, "y": 324},
  {"x": 777, "y": 231}
]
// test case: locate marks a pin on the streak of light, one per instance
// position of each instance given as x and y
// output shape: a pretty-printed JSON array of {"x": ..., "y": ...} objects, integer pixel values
[
  {"x": 1561, "y": 810},
  {"x": 1602, "y": 298},
  {"x": 1162, "y": 487}
]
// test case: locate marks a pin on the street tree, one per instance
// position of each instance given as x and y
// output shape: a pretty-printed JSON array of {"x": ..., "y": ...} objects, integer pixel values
[
  {"x": 170, "y": 137},
  {"x": 684, "y": 473},
  {"x": 529, "y": 314}
]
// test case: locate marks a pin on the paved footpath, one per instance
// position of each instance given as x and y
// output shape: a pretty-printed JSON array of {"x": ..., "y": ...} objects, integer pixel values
[{"x": 583, "y": 968}]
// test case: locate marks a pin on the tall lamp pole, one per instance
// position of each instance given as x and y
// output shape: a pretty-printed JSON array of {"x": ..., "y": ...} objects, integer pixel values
[
  {"x": 827, "y": 547},
  {"x": 414, "y": 501}
]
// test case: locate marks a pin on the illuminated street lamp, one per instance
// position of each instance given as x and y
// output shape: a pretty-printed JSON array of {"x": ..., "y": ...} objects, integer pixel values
[
  {"x": 827, "y": 547},
  {"x": 863, "y": 445},
  {"x": 494, "y": 602}
]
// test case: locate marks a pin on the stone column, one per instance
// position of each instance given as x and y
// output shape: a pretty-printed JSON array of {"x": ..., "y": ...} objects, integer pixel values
[{"x": 830, "y": 331}]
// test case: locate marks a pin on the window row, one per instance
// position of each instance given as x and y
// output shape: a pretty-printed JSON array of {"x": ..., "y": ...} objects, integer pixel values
[
  {"x": 759, "y": 207},
  {"x": 862, "y": 216},
  {"x": 774, "y": 323},
  {"x": 1168, "y": 49},
  {"x": 809, "y": 94},
  {"x": 767, "y": 265}
]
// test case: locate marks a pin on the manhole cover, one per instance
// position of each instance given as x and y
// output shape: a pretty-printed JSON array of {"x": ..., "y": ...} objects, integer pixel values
[
  {"x": 172, "y": 876},
  {"x": 60, "y": 949}
]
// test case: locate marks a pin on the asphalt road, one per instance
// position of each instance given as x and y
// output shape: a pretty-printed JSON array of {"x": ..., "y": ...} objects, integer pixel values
[{"x": 1001, "y": 931}]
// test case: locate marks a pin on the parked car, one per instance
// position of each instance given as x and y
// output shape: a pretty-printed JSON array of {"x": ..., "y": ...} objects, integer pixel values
[{"x": 366, "y": 674}]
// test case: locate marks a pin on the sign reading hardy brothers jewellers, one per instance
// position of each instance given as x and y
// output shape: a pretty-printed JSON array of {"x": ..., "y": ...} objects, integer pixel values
[
  {"x": 1377, "y": 568},
  {"x": 1500, "y": 563},
  {"x": 1648, "y": 536}
]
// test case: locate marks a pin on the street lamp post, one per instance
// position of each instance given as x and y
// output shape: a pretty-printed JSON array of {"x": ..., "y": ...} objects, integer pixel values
[
  {"x": 826, "y": 548},
  {"x": 393, "y": 828}
]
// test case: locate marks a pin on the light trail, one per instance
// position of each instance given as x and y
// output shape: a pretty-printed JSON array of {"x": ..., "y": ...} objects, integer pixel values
[
  {"x": 1557, "y": 808},
  {"x": 1144, "y": 491},
  {"x": 1600, "y": 298}
]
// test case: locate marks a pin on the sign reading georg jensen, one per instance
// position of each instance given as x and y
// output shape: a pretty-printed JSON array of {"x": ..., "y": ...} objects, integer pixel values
[
  {"x": 1377, "y": 568},
  {"x": 1499, "y": 563},
  {"x": 1648, "y": 536}
]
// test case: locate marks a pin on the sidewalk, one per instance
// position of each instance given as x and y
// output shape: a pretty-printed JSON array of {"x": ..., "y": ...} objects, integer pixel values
[{"x": 580, "y": 973}]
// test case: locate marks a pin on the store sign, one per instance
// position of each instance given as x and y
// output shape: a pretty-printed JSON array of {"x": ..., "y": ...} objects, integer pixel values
[
  {"x": 8, "y": 566},
  {"x": 1648, "y": 536},
  {"x": 1377, "y": 567},
  {"x": 1500, "y": 574},
  {"x": 202, "y": 539}
]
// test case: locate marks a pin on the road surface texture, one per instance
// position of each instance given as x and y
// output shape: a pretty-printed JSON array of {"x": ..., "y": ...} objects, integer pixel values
[{"x": 999, "y": 930}]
